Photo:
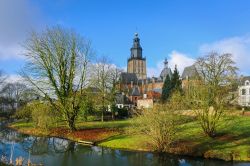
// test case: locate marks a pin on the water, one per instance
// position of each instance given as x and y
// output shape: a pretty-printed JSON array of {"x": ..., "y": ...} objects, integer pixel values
[{"x": 60, "y": 152}]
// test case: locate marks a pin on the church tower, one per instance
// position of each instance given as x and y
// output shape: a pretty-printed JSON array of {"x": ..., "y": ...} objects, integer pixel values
[{"x": 136, "y": 63}]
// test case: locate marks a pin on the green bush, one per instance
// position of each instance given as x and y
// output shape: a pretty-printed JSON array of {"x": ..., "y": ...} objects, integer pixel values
[
  {"x": 121, "y": 112},
  {"x": 87, "y": 109},
  {"x": 42, "y": 115},
  {"x": 23, "y": 113}
]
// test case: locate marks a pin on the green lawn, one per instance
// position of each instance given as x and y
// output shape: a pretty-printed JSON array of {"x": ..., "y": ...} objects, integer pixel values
[
  {"x": 81, "y": 125},
  {"x": 131, "y": 142},
  {"x": 232, "y": 142},
  {"x": 22, "y": 124}
]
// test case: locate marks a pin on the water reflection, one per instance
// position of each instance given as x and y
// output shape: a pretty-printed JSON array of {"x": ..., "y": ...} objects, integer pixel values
[{"x": 56, "y": 151}]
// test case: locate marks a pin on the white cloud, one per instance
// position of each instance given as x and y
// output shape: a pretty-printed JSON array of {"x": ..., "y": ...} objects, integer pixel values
[
  {"x": 181, "y": 60},
  {"x": 12, "y": 51},
  {"x": 239, "y": 47},
  {"x": 14, "y": 78},
  {"x": 175, "y": 58}
]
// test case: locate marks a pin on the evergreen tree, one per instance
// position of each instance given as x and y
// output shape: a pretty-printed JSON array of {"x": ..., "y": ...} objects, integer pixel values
[
  {"x": 170, "y": 85},
  {"x": 166, "y": 89},
  {"x": 176, "y": 81}
]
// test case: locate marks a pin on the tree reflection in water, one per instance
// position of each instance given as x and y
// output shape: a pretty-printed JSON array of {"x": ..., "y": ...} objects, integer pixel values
[{"x": 57, "y": 151}]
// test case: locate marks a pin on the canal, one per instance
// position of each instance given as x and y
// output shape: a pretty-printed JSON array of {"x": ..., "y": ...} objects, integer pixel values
[{"x": 61, "y": 152}]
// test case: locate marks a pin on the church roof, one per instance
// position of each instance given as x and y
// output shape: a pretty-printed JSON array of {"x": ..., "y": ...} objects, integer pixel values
[
  {"x": 128, "y": 77},
  {"x": 135, "y": 91},
  {"x": 190, "y": 72},
  {"x": 165, "y": 72},
  {"x": 121, "y": 99}
]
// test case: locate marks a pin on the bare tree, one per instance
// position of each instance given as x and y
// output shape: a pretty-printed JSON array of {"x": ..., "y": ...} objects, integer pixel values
[
  {"x": 57, "y": 67},
  {"x": 2, "y": 78},
  {"x": 13, "y": 93},
  {"x": 104, "y": 77},
  {"x": 209, "y": 98},
  {"x": 115, "y": 76}
]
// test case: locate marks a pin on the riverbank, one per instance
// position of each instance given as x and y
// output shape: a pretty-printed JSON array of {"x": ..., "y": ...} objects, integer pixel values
[{"x": 232, "y": 142}]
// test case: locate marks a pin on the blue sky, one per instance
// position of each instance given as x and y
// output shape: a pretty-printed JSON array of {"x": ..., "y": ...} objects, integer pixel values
[{"x": 180, "y": 30}]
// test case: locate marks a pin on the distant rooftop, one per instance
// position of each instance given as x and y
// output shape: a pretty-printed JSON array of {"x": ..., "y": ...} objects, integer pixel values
[{"x": 190, "y": 72}]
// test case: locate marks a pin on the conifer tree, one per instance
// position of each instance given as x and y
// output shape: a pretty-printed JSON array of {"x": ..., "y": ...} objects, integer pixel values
[
  {"x": 176, "y": 81},
  {"x": 166, "y": 89},
  {"x": 170, "y": 85}
]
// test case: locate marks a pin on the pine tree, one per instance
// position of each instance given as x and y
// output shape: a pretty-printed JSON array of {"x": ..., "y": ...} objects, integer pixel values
[
  {"x": 166, "y": 89},
  {"x": 176, "y": 81}
]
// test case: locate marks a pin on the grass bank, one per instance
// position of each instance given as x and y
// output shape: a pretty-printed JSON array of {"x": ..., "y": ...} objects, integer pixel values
[{"x": 231, "y": 143}]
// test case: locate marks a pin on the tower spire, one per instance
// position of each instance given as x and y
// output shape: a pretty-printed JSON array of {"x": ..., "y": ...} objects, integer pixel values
[
  {"x": 136, "y": 50},
  {"x": 136, "y": 63},
  {"x": 166, "y": 63}
]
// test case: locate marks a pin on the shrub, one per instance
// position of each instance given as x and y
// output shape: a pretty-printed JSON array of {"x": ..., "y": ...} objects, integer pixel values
[
  {"x": 120, "y": 112},
  {"x": 87, "y": 109},
  {"x": 23, "y": 113},
  {"x": 42, "y": 115},
  {"x": 158, "y": 125}
]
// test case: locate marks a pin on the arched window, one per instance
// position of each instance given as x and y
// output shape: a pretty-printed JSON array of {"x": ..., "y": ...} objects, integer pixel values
[
  {"x": 243, "y": 92},
  {"x": 247, "y": 83}
]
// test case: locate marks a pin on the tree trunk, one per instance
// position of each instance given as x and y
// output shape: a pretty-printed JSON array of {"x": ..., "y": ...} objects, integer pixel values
[
  {"x": 102, "y": 114},
  {"x": 103, "y": 107},
  {"x": 71, "y": 123},
  {"x": 112, "y": 113}
]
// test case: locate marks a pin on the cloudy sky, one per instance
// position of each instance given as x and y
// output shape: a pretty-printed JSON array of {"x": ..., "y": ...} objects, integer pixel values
[{"x": 178, "y": 30}]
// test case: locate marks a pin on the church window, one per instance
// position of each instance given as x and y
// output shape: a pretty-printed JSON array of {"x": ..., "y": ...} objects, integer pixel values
[{"x": 247, "y": 83}]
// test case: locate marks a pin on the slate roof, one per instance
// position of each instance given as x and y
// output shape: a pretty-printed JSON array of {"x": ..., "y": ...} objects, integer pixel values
[
  {"x": 244, "y": 79},
  {"x": 135, "y": 91},
  {"x": 165, "y": 72},
  {"x": 121, "y": 99},
  {"x": 190, "y": 72},
  {"x": 149, "y": 80},
  {"x": 128, "y": 77}
]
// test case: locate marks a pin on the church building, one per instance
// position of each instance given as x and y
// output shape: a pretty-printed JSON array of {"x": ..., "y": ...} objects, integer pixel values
[
  {"x": 137, "y": 89},
  {"x": 134, "y": 83}
]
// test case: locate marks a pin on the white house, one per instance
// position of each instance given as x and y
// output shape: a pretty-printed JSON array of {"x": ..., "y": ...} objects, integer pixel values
[{"x": 244, "y": 92}]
